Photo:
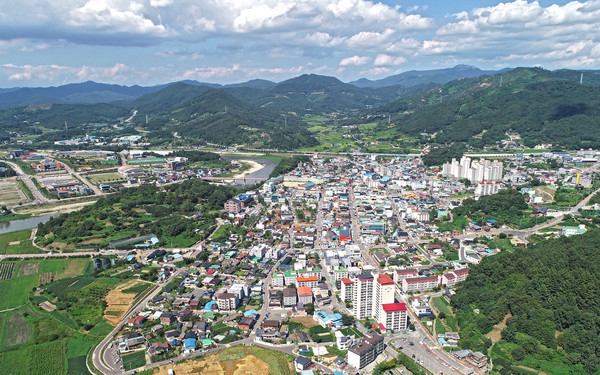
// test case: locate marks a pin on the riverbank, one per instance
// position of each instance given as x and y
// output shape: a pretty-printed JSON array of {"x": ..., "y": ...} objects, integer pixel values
[{"x": 255, "y": 167}]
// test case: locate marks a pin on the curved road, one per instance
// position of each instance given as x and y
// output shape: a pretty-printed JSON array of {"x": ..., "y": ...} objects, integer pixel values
[{"x": 98, "y": 354}]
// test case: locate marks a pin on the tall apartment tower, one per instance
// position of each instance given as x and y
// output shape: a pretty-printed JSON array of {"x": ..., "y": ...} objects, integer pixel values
[
  {"x": 362, "y": 301},
  {"x": 384, "y": 294}
]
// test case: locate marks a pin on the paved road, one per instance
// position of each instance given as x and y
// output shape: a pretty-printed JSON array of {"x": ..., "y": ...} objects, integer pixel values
[
  {"x": 105, "y": 365},
  {"x": 82, "y": 178},
  {"x": 26, "y": 178},
  {"x": 48, "y": 255}
]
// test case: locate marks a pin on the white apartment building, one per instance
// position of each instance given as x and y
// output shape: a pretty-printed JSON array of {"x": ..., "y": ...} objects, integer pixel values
[
  {"x": 419, "y": 284},
  {"x": 384, "y": 294}
]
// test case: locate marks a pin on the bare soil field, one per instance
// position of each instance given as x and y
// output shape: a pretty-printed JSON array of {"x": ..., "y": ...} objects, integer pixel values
[
  {"x": 27, "y": 268},
  {"x": 307, "y": 321},
  {"x": 10, "y": 194},
  {"x": 496, "y": 333},
  {"x": 248, "y": 365},
  {"x": 118, "y": 302},
  {"x": 52, "y": 209},
  {"x": 47, "y": 306},
  {"x": 46, "y": 277}
]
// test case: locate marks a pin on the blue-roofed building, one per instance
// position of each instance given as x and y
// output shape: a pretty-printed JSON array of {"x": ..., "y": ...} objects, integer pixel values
[
  {"x": 190, "y": 344},
  {"x": 154, "y": 240},
  {"x": 130, "y": 257},
  {"x": 328, "y": 320},
  {"x": 385, "y": 180},
  {"x": 209, "y": 306},
  {"x": 252, "y": 313}
]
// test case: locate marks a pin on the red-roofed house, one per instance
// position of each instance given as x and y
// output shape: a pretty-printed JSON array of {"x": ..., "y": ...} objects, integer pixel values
[{"x": 138, "y": 321}]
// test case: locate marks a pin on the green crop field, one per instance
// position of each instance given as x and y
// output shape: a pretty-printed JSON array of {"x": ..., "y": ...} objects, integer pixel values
[
  {"x": 15, "y": 291},
  {"x": 17, "y": 243},
  {"x": 134, "y": 360}
]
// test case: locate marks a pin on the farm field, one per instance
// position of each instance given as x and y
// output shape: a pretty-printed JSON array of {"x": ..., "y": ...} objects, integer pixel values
[
  {"x": 10, "y": 193},
  {"x": 35, "y": 341},
  {"x": 121, "y": 298},
  {"x": 6, "y": 270}
]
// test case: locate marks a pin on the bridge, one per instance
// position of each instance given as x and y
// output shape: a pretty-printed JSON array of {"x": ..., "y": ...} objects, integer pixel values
[{"x": 237, "y": 180}]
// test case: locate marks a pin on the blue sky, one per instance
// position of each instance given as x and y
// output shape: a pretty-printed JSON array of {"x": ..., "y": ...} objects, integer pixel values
[{"x": 146, "y": 42}]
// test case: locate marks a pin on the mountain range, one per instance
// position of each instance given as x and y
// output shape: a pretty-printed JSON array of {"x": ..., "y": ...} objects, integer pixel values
[
  {"x": 262, "y": 92},
  {"x": 559, "y": 107}
]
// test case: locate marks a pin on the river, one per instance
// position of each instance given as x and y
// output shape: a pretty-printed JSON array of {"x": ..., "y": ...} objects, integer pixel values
[
  {"x": 29, "y": 223},
  {"x": 264, "y": 172}
]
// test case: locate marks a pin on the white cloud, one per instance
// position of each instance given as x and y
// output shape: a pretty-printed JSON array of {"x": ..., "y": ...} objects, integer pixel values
[
  {"x": 387, "y": 60},
  {"x": 523, "y": 32},
  {"x": 128, "y": 18},
  {"x": 355, "y": 61}
]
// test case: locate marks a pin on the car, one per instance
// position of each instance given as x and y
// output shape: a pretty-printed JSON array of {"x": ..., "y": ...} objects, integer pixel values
[{"x": 411, "y": 343}]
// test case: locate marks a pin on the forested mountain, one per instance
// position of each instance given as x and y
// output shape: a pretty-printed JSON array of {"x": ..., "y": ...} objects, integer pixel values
[
  {"x": 312, "y": 93},
  {"x": 216, "y": 117},
  {"x": 549, "y": 295},
  {"x": 543, "y": 106},
  {"x": 424, "y": 77},
  {"x": 75, "y": 93}
]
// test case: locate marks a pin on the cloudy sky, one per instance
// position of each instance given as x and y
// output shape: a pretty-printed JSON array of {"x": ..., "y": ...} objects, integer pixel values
[{"x": 146, "y": 42}]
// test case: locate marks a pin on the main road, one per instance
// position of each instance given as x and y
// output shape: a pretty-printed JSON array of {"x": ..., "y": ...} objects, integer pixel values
[
  {"x": 98, "y": 354},
  {"x": 26, "y": 178}
]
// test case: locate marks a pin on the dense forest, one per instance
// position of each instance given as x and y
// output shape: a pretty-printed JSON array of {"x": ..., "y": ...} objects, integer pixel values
[
  {"x": 506, "y": 207},
  {"x": 549, "y": 293},
  {"x": 288, "y": 164},
  {"x": 530, "y": 101},
  {"x": 164, "y": 211},
  {"x": 214, "y": 116}
]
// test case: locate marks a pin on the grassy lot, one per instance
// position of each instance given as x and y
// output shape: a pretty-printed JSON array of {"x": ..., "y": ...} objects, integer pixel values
[
  {"x": 102, "y": 178},
  {"x": 279, "y": 363},
  {"x": 9, "y": 192},
  {"x": 134, "y": 360},
  {"x": 15, "y": 291},
  {"x": 448, "y": 226},
  {"x": 17, "y": 243},
  {"x": 442, "y": 305},
  {"x": 503, "y": 244}
]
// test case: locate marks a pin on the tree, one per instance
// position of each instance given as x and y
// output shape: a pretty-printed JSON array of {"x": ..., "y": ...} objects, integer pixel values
[
  {"x": 347, "y": 320},
  {"x": 310, "y": 308}
]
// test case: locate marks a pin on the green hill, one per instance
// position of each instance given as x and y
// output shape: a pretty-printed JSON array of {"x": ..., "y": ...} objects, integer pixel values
[
  {"x": 539, "y": 104},
  {"x": 549, "y": 295},
  {"x": 216, "y": 117}
]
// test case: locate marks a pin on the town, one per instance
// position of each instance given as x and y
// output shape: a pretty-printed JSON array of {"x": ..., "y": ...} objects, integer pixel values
[{"x": 343, "y": 263}]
